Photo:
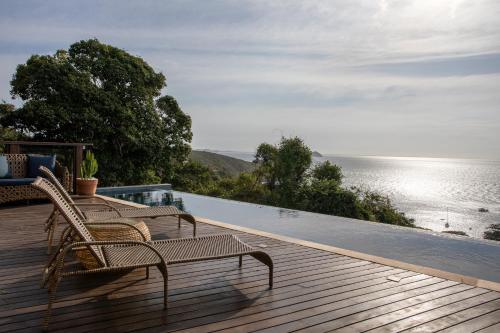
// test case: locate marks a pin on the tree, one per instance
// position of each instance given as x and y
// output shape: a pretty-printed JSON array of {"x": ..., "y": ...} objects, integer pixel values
[
  {"x": 327, "y": 197},
  {"x": 193, "y": 176},
  {"x": 265, "y": 158},
  {"x": 283, "y": 168},
  {"x": 7, "y": 134},
  {"x": 379, "y": 208},
  {"x": 101, "y": 94},
  {"x": 328, "y": 171}
]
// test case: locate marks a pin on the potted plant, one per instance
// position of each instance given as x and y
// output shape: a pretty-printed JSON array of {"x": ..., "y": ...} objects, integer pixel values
[{"x": 87, "y": 184}]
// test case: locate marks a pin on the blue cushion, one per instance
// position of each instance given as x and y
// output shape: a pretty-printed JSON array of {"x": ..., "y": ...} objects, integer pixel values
[
  {"x": 16, "y": 181},
  {"x": 4, "y": 167},
  {"x": 36, "y": 161}
]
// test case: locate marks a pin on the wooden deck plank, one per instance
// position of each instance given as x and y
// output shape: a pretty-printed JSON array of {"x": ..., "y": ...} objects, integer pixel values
[
  {"x": 314, "y": 290},
  {"x": 455, "y": 318},
  {"x": 379, "y": 316},
  {"x": 336, "y": 310},
  {"x": 495, "y": 328},
  {"x": 475, "y": 324},
  {"x": 413, "y": 320}
]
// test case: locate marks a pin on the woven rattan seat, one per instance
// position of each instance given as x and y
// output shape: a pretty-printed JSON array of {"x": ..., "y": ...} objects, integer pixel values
[
  {"x": 134, "y": 212},
  {"x": 106, "y": 211},
  {"x": 120, "y": 255},
  {"x": 176, "y": 251}
]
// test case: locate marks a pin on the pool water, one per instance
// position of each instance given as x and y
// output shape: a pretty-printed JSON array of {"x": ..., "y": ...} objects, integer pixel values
[
  {"x": 467, "y": 256},
  {"x": 151, "y": 195}
]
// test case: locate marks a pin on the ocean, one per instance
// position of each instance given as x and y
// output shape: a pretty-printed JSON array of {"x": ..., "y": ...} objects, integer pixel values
[{"x": 441, "y": 194}]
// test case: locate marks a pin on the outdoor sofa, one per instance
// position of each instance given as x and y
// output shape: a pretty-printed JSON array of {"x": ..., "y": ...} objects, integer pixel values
[{"x": 18, "y": 171}]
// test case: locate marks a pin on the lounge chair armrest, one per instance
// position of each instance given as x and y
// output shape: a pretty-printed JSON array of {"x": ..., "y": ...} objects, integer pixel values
[
  {"x": 90, "y": 197},
  {"x": 119, "y": 223},
  {"x": 97, "y": 204},
  {"x": 59, "y": 265},
  {"x": 117, "y": 242}
]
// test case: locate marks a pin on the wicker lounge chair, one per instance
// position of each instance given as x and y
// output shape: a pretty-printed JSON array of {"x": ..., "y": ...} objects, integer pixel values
[
  {"x": 107, "y": 211},
  {"x": 115, "y": 256}
]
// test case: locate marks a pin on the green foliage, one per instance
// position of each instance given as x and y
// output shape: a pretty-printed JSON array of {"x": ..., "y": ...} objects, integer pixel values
[
  {"x": 377, "y": 207},
  {"x": 245, "y": 187},
  {"x": 7, "y": 134},
  {"x": 283, "y": 168},
  {"x": 89, "y": 166},
  {"x": 266, "y": 159},
  {"x": 493, "y": 232},
  {"x": 221, "y": 164},
  {"x": 283, "y": 177},
  {"x": 193, "y": 176},
  {"x": 328, "y": 171},
  {"x": 327, "y": 197},
  {"x": 97, "y": 93}
]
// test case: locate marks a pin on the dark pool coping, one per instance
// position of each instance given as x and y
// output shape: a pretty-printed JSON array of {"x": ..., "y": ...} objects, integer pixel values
[{"x": 133, "y": 188}]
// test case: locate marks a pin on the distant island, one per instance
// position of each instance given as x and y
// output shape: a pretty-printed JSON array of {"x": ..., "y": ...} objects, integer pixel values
[{"x": 316, "y": 154}]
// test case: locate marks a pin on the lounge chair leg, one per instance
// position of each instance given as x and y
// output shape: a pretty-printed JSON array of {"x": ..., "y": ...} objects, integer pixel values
[
  {"x": 52, "y": 230},
  {"x": 241, "y": 261},
  {"x": 266, "y": 260},
  {"x": 48, "y": 223},
  {"x": 49, "y": 236},
  {"x": 163, "y": 271},
  {"x": 52, "y": 296},
  {"x": 165, "y": 294},
  {"x": 179, "y": 221},
  {"x": 270, "y": 277}
]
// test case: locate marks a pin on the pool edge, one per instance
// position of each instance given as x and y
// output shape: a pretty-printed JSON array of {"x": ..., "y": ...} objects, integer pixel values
[{"x": 476, "y": 282}]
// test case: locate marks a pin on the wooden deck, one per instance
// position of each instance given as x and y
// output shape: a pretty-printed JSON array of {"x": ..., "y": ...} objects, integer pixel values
[{"x": 315, "y": 291}]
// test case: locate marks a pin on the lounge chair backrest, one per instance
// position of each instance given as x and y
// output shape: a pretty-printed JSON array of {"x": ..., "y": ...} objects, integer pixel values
[
  {"x": 53, "y": 179},
  {"x": 70, "y": 215}
]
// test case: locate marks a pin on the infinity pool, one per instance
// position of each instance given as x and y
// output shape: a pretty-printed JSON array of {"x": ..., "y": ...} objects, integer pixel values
[{"x": 467, "y": 256}]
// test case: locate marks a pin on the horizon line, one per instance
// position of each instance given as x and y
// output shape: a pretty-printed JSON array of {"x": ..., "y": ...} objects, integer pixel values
[{"x": 490, "y": 159}]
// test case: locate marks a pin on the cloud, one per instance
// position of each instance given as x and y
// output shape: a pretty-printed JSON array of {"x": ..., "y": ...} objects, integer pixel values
[
  {"x": 454, "y": 66},
  {"x": 343, "y": 74}
]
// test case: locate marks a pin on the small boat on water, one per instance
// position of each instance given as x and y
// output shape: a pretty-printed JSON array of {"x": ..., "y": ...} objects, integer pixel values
[{"x": 483, "y": 210}]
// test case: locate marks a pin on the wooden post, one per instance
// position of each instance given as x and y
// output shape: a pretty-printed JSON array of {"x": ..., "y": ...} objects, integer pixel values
[
  {"x": 14, "y": 149},
  {"x": 76, "y": 164}
]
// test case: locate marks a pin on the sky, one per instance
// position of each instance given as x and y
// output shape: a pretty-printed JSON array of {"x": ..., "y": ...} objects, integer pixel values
[{"x": 393, "y": 78}]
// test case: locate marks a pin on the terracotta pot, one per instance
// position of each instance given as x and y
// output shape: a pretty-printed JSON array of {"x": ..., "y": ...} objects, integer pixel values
[{"x": 86, "y": 186}]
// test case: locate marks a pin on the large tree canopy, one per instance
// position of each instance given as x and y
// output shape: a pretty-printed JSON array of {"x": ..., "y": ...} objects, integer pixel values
[{"x": 101, "y": 94}]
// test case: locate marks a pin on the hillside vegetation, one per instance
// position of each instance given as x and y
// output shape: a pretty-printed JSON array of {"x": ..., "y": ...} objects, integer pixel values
[
  {"x": 284, "y": 176},
  {"x": 221, "y": 164}
]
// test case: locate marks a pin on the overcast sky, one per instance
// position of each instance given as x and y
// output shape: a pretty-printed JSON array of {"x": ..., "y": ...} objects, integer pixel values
[{"x": 397, "y": 78}]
